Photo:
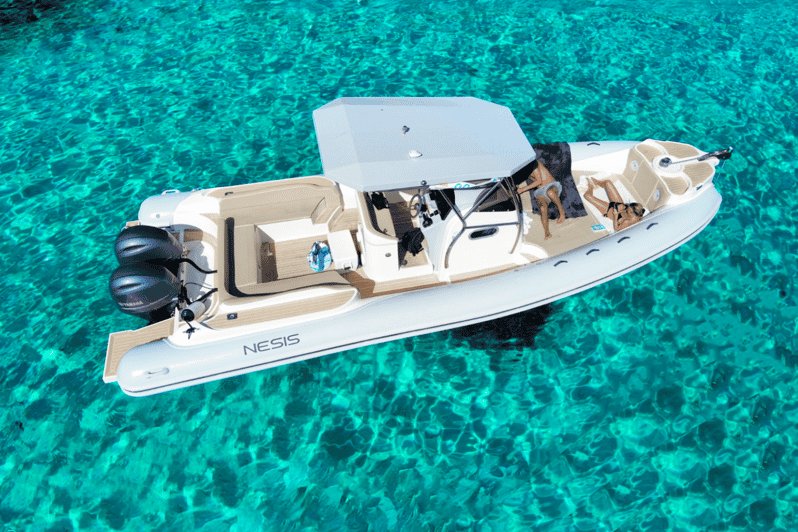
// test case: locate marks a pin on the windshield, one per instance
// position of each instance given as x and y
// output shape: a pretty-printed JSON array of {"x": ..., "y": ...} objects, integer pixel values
[{"x": 500, "y": 200}]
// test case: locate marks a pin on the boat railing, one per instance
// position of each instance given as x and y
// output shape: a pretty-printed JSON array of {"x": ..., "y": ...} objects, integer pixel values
[{"x": 493, "y": 187}]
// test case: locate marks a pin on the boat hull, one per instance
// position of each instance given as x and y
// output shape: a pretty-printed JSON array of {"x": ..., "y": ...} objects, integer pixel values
[{"x": 162, "y": 366}]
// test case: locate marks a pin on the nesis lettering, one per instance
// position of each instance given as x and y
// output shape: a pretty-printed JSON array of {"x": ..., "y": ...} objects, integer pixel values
[{"x": 274, "y": 343}]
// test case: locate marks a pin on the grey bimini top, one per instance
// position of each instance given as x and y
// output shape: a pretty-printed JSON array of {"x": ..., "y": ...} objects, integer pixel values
[{"x": 373, "y": 144}]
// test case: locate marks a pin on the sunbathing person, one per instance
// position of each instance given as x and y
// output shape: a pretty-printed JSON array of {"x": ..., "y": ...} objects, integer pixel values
[
  {"x": 622, "y": 214},
  {"x": 548, "y": 189}
]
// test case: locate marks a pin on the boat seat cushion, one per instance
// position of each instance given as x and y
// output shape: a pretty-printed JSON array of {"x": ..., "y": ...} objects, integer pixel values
[
  {"x": 245, "y": 253},
  {"x": 283, "y": 203},
  {"x": 292, "y": 230}
]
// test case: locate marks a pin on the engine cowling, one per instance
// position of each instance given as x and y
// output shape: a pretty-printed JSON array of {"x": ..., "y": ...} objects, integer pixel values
[
  {"x": 149, "y": 291},
  {"x": 143, "y": 243}
]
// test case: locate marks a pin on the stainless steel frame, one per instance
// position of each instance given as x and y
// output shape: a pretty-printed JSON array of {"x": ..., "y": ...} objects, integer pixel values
[{"x": 504, "y": 183}]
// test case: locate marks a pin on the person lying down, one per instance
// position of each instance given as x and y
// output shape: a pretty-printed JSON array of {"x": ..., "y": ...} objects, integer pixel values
[{"x": 622, "y": 214}]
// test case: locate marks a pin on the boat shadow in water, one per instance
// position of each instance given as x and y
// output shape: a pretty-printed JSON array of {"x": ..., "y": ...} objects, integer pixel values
[{"x": 514, "y": 331}]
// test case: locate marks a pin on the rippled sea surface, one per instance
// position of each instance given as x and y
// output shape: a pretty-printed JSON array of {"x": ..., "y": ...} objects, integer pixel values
[{"x": 663, "y": 400}]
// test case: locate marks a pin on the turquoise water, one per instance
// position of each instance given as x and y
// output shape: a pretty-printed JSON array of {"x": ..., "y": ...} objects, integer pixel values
[{"x": 663, "y": 400}]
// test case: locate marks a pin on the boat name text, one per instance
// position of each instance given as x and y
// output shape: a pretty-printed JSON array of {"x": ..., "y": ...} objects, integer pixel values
[{"x": 274, "y": 343}]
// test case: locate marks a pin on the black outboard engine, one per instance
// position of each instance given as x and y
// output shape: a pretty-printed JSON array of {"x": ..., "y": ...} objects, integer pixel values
[
  {"x": 144, "y": 243},
  {"x": 149, "y": 291},
  {"x": 146, "y": 283}
]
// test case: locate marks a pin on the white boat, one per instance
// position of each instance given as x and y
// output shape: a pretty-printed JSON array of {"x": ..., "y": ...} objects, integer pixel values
[{"x": 416, "y": 226}]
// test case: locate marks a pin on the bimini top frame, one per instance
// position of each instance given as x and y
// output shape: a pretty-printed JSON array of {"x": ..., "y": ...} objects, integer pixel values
[{"x": 380, "y": 144}]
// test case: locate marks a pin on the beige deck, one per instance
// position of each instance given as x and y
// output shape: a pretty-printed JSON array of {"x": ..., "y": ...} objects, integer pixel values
[
  {"x": 395, "y": 221},
  {"x": 284, "y": 310},
  {"x": 402, "y": 223},
  {"x": 368, "y": 288},
  {"x": 572, "y": 233}
]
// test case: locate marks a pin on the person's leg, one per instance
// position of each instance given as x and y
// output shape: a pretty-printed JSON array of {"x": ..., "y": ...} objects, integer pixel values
[
  {"x": 601, "y": 205},
  {"x": 554, "y": 193},
  {"x": 543, "y": 205},
  {"x": 612, "y": 192}
]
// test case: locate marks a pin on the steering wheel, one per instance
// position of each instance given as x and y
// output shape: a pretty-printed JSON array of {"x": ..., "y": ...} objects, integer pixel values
[{"x": 415, "y": 206}]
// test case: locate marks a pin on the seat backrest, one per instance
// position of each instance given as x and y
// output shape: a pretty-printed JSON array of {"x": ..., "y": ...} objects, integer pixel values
[
  {"x": 678, "y": 150},
  {"x": 246, "y": 264},
  {"x": 642, "y": 182},
  {"x": 281, "y": 201},
  {"x": 677, "y": 184}
]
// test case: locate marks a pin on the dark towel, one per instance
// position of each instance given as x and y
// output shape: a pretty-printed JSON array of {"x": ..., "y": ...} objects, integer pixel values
[{"x": 556, "y": 156}]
